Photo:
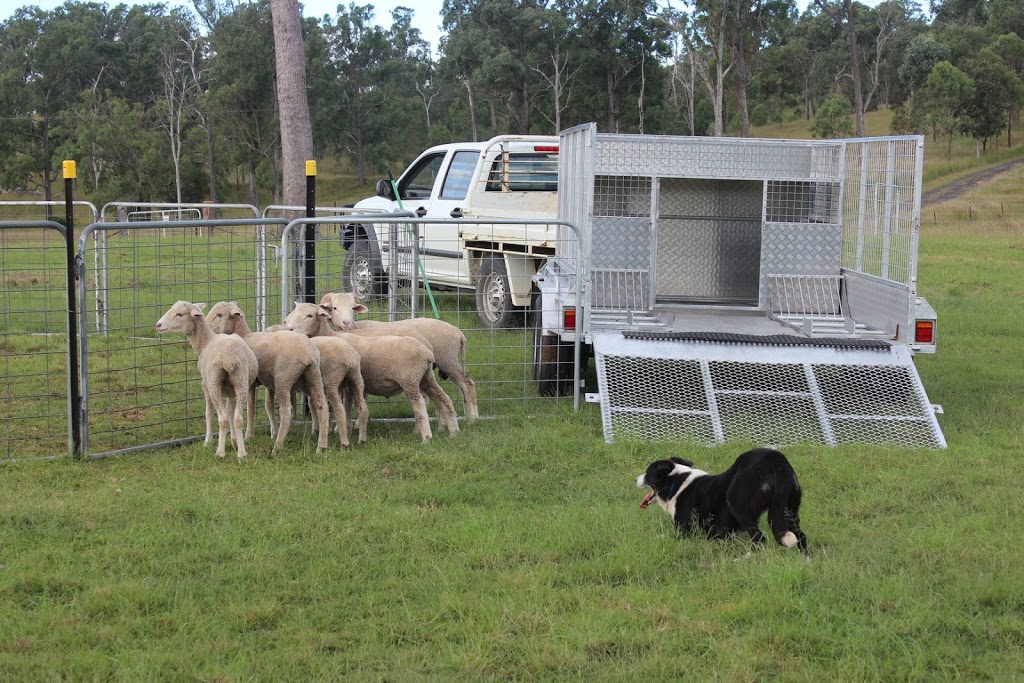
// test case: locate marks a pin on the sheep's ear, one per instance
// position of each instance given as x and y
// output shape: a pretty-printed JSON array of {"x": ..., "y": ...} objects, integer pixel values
[
  {"x": 322, "y": 313},
  {"x": 200, "y": 307},
  {"x": 295, "y": 304},
  {"x": 326, "y": 298},
  {"x": 324, "y": 306},
  {"x": 359, "y": 308}
]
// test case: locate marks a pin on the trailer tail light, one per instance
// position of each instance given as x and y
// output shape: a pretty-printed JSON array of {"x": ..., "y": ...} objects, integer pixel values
[
  {"x": 552, "y": 149},
  {"x": 569, "y": 319},
  {"x": 924, "y": 332}
]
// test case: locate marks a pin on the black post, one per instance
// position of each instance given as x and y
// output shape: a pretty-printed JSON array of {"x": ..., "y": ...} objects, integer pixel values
[
  {"x": 309, "y": 234},
  {"x": 74, "y": 381}
]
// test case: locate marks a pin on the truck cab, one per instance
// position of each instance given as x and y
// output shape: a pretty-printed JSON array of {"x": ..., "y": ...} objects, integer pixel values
[{"x": 460, "y": 188}]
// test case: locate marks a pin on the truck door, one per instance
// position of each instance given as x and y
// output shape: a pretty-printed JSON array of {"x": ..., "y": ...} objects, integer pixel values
[
  {"x": 441, "y": 247},
  {"x": 434, "y": 187}
]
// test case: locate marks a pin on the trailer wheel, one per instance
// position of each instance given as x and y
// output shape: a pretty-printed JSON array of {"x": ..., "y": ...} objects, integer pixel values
[
  {"x": 363, "y": 274},
  {"x": 552, "y": 359},
  {"x": 494, "y": 304}
]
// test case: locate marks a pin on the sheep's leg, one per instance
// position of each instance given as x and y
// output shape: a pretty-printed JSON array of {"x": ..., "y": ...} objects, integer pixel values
[
  {"x": 209, "y": 416},
  {"x": 356, "y": 392},
  {"x": 333, "y": 397},
  {"x": 241, "y": 388},
  {"x": 419, "y": 409},
  {"x": 318, "y": 407},
  {"x": 284, "y": 408},
  {"x": 445, "y": 408},
  {"x": 269, "y": 405},
  {"x": 250, "y": 411},
  {"x": 217, "y": 399}
]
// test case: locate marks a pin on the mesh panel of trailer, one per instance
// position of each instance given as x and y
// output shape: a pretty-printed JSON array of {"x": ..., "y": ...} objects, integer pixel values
[{"x": 766, "y": 391}]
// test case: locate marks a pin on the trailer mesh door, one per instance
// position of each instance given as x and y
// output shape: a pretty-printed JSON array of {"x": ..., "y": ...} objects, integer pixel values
[{"x": 762, "y": 391}]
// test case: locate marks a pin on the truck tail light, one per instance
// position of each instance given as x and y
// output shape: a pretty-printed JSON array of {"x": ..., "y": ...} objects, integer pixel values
[
  {"x": 553, "y": 149},
  {"x": 924, "y": 332},
  {"x": 569, "y": 318}
]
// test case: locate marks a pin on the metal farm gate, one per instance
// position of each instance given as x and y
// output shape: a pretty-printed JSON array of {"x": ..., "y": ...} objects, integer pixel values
[
  {"x": 751, "y": 289},
  {"x": 141, "y": 390}
]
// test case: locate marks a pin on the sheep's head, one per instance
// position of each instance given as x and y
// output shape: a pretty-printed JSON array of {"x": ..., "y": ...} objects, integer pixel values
[
  {"x": 180, "y": 318},
  {"x": 342, "y": 309},
  {"x": 305, "y": 319},
  {"x": 224, "y": 317}
]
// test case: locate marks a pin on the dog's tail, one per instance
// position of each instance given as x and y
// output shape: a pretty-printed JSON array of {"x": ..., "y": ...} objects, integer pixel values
[{"x": 784, "y": 517}]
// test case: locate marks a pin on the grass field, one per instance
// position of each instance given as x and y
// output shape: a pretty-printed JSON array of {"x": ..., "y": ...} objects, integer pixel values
[{"x": 516, "y": 550}]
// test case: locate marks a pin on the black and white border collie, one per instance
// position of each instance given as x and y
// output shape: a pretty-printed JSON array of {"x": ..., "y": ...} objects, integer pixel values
[{"x": 721, "y": 505}]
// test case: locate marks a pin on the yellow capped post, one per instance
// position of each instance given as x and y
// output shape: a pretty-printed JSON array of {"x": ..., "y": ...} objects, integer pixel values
[
  {"x": 70, "y": 170},
  {"x": 310, "y": 167}
]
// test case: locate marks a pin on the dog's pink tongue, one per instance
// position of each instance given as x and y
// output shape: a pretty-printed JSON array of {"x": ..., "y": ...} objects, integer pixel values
[{"x": 647, "y": 500}]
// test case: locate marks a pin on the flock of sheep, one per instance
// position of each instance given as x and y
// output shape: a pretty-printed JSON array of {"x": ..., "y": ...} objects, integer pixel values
[{"x": 323, "y": 352}]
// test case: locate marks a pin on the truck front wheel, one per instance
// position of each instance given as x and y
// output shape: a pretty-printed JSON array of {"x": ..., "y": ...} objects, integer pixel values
[
  {"x": 363, "y": 273},
  {"x": 552, "y": 359},
  {"x": 494, "y": 304}
]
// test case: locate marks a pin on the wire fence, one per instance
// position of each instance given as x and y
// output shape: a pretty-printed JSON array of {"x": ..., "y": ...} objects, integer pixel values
[{"x": 142, "y": 390}]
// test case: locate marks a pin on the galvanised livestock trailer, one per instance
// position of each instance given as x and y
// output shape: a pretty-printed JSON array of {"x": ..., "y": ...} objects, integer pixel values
[{"x": 741, "y": 289}]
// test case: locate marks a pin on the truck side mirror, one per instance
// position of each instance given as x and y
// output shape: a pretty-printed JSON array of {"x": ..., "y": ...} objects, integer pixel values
[{"x": 384, "y": 189}]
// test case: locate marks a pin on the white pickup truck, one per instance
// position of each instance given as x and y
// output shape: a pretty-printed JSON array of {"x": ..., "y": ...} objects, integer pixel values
[{"x": 507, "y": 177}]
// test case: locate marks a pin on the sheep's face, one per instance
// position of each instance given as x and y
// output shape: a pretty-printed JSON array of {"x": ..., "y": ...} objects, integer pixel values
[
  {"x": 180, "y": 318},
  {"x": 305, "y": 319},
  {"x": 342, "y": 309},
  {"x": 223, "y": 317}
]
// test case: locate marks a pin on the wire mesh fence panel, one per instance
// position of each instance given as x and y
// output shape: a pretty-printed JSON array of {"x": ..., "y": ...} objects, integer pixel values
[
  {"x": 485, "y": 292},
  {"x": 34, "y": 338},
  {"x": 142, "y": 388}
]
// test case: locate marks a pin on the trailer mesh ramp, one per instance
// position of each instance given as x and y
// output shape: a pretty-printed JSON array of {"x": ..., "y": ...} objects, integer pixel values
[{"x": 714, "y": 388}]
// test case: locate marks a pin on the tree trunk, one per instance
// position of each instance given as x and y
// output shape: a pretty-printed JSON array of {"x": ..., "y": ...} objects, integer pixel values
[
  {"x": 211, "y": 157},
  {"x": 296, "y": 130},
  {"x": 610, "y": 93},
  {"x": 472, "y": 110}
]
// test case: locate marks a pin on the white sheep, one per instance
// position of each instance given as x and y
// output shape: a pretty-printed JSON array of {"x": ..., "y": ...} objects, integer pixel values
[
  {"x": 341, "y": 368},
  {"x": 287, "y": 362},
  {"x": 390, "y": 365},
  {"x": 228, "y": 368},
  {"x": 446, "y": 340}
]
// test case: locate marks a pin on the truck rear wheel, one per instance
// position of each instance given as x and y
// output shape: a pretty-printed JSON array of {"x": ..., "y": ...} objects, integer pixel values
[
  {"x": 363, "y": 273},
  {"x": 494, "y": 304},
  {"x": 552, "y": 359}
]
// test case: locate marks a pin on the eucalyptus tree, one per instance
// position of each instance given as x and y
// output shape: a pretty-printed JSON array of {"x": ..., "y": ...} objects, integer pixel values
[
  {"x": 241, "y": 93},
  {"x": 290, "y": 78},
  {"x": 989, "y": 110},
  {"x": 180, "y": 53},
  {"x": 755, "y": 25},
  {"x": 47, "y": 59},
  {"x": 844, "y": 13},
  {"x": 1010, "y": 48},
  {"x": 627, "y": 41},
  {"x": 351, "y": 94},
  {"x": 810, "y": 51},
  {"x": 707, "y": 36},
  {"x": 558, "y": 67},
  {"x": 462, "y": 53},
  {"x": 948, "y": 93},
  {"x": 498, "y": 41}
]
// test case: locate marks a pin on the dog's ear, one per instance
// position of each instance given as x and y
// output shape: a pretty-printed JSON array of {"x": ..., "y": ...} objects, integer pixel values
[{"x": 681, "y": 461}]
